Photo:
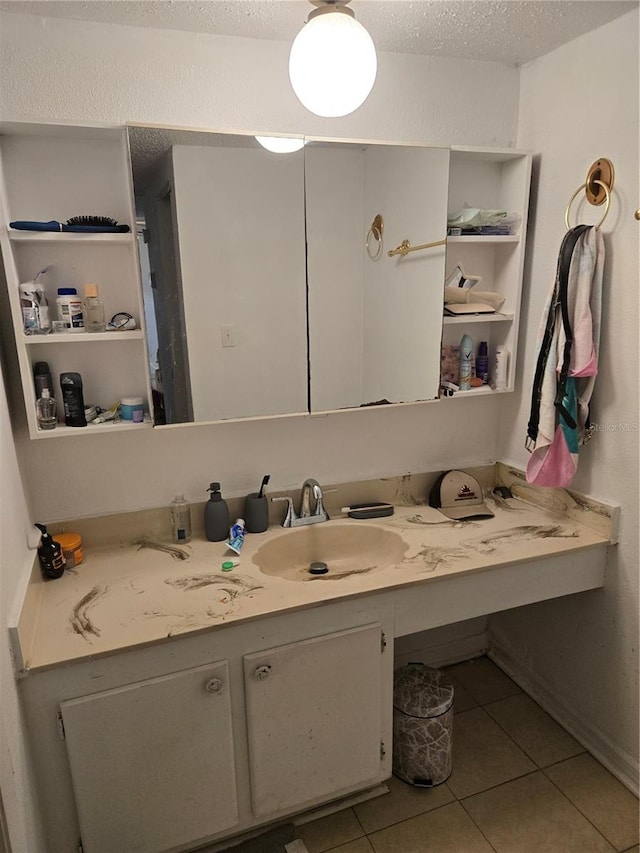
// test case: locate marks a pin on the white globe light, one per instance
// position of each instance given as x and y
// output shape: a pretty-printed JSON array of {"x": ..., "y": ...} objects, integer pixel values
[
  {"x": 332, "y": 64},
  {"x": 280, "y": 144}
]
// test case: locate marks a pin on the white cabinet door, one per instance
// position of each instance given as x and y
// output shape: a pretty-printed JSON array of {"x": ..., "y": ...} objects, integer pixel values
[
  {"x": 314, "y": 719},
  {"x": 152, "y": 763}
]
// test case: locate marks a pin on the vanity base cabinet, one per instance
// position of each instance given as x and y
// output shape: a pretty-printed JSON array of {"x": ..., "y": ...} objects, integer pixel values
[
  {"x": 152, "y": 763},
  {"x": 313, "y": 719},
  {"x": 183, "y": 743}
]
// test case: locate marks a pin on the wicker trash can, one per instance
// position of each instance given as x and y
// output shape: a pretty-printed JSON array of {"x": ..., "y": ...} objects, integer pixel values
[{"x": 422, "y": 725}]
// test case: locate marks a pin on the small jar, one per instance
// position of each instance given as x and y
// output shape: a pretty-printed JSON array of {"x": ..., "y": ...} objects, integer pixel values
[
  {"x": 71, "y": 544},
  {"x": 132, "y": 409}
]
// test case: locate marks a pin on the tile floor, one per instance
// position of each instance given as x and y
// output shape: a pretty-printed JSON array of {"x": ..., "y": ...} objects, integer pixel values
[{"x": 520, "y": 784}]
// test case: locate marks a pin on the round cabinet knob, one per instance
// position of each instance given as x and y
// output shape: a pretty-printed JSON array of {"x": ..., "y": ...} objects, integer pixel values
[
  {"x": 214, "y": 685},
  {"x": 263, "y": 672}
]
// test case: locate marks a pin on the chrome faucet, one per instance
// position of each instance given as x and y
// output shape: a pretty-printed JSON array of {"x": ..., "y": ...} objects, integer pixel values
[{"x": 305, "y": 516}]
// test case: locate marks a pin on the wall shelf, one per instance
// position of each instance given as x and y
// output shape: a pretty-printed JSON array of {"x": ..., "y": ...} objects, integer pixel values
[
  {"x": 485, "y": 238},
  {"x": 83, "y": 337},
  {"x": 68, "y": 237},
  {"x": 91, "y": 429},
  {"x": 466, "y": 319},
  {"x": 44, "y": 169},
  {"x": 497, "y": 179}
]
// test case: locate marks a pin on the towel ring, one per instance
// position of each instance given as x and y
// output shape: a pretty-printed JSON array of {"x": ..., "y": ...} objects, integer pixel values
[
  {"x": 584, "y": 187},
  {"x": 375, "y": 231}
]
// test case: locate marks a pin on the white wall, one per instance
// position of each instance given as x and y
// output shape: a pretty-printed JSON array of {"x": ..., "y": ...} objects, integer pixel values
[
  {"x": 15, "y": 561},
  {"x": 577, "y": 104}
]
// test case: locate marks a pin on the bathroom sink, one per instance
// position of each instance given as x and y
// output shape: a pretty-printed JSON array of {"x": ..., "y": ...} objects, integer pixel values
[{"x": 347, "y": 549}]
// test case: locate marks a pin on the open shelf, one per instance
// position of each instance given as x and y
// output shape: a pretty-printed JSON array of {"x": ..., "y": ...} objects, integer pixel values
[
  {"x": 83, "y": 337},
  {"x": 466, "y": 319},
  {"x": 485, "y": 238},
  {"x": 67, "y": 237},
  {"x": 91, "y": 429}
]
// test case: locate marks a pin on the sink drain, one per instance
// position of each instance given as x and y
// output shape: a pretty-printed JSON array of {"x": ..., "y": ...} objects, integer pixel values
[{"x": 318, "y": 568}]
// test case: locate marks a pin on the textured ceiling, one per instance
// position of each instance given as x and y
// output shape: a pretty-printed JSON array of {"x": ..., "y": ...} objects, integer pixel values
[{"x": 511, "y": 31}]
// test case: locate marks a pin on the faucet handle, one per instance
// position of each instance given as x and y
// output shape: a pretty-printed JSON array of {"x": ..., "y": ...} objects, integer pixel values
[{"x": 290, "y": 515}]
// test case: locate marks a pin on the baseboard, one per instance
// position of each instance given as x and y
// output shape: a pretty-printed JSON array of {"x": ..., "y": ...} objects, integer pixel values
[
  {"x": 619, "y": 762},
  {"x": 446, "y": 652}
]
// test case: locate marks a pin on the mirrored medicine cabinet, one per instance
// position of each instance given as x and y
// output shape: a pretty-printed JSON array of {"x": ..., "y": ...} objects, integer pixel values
[
  {"x": 267, "y": 284},
  {"x": 268, "y": 288}
]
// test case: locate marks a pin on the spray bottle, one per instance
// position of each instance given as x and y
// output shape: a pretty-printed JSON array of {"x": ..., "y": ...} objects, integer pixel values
[
  {"x": 35, "y": 308},
  {"x": 466, "y": 363}
]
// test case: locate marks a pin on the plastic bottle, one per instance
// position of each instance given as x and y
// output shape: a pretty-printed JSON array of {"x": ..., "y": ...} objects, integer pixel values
[
  {"x": 217, "y": 520},
  {"x": 482, "y": 362},
  {"x": 94, "y": 319},
  {"x": 69, "y": 306},
  {"x": 501, "y": 365},
  {"x": 42, "y": 378},
  {"x": 35, "y": 308},
  {"x": 466, "y": 363},
  {"x": 180, "y": 510},
  {"x": 50, "y": 554},
  {"x": 236, "y": 536},
  {"x": 46, "y": 411},
  {"x": 73, "y": 400}
]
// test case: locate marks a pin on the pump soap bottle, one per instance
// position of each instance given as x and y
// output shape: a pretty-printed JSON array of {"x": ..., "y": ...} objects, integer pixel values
[
  {"x": 52, "y": 561},
  {"x": 216, "y": 516}
]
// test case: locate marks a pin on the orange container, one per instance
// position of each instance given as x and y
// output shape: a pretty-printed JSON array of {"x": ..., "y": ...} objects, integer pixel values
[{"x": 71, "y": 544}]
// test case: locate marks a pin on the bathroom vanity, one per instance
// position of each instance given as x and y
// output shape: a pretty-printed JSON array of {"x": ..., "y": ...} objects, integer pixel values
[{"x": 171, "y": 704}]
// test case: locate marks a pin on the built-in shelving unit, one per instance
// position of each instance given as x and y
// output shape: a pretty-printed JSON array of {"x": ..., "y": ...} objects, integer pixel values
[
  {"x": 55, "y": 172},
  {"x": 496, "y": 179}
]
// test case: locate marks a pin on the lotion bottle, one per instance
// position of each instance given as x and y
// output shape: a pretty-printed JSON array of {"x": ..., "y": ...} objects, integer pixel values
[
  {"x": 501, "y": 366},
  {"x": 217, "y": 520}
]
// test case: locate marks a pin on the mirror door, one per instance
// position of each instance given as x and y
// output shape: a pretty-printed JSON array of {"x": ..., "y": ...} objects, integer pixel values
[{"x": 375, "y": 322}]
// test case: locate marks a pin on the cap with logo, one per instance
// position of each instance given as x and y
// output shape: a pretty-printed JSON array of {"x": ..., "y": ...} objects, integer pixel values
[{"x": 458, "y": 495}]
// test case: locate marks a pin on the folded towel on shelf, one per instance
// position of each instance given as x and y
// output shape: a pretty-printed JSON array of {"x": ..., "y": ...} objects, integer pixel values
[{"x": 460, "y": 296}]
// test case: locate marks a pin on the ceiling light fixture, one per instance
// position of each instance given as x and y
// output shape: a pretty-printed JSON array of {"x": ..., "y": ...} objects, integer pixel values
[
  {"x": 281, "y": 144},
  {"x": 332, "y": 64}
]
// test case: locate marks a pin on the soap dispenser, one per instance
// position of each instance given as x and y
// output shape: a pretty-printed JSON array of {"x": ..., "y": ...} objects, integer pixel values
[
  {"x": 52, "y": 561},
  {"x": 217, "y": 521}
]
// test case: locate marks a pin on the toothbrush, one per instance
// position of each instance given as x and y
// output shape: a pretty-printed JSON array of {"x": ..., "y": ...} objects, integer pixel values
[{"x": 265, "y": 480}]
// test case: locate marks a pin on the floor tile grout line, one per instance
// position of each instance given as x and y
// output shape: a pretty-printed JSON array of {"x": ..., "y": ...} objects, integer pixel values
[
  {"x": 577, "y": 807},
  {"x": 499, "y": 784},
  {"x": 477, "y": 827},
  {"x": 513, "y": 741}
]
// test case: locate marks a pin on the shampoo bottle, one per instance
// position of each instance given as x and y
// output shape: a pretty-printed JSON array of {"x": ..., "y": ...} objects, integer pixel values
[
  {"x": 217, "y": 520},
  {"x": 466, "y": 363},
  {"x": 50, "y": 554}
]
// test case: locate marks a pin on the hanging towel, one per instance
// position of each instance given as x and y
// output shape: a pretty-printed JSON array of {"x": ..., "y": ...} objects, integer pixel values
[{"x": 567, "y": 360}]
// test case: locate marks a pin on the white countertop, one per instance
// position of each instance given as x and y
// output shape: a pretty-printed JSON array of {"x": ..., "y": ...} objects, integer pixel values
[{"x": 123, "y": 596}]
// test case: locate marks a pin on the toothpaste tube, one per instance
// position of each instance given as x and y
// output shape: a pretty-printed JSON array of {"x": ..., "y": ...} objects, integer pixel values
[{"x": 236, "y": 536}]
